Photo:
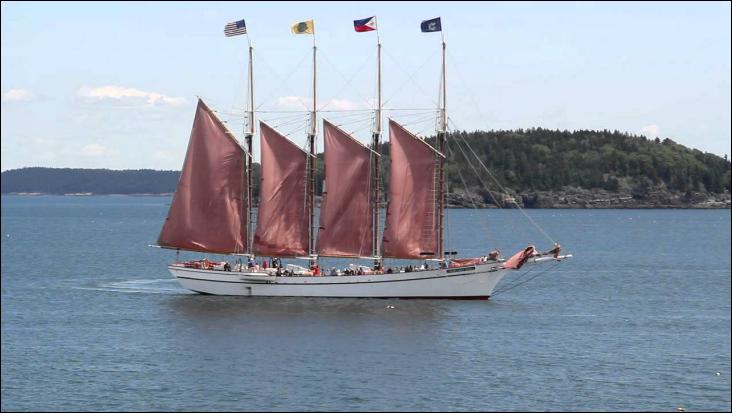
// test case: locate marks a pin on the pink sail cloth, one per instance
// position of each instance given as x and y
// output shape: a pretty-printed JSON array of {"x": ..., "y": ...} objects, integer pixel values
[
  {"x": 413, "y": 210},
  {"x": 520, "y": 258},
  {"x": 461, "y": 262},
  {"x": 283, "y": 214},
  {"x": 346, "y": 213},
  {"x": 208, "y": 212}
]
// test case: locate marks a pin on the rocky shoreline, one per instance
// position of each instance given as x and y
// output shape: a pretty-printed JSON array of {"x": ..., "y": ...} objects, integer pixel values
[
  {"x": 578, "y": 198},
  {"x": 568, "y": 198}
]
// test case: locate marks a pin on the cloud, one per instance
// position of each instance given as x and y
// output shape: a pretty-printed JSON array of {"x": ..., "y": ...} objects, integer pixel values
[
  {"x": 94, "y": 150},
  {"x": 18, "y": 95},
  {"x": 341, "y": 104},
  {"x": 163, "y": 155},
  {"x": 127, "y": 95},
  {"x": 293, "y": 103},
  {"x": 650, "y": 131}
]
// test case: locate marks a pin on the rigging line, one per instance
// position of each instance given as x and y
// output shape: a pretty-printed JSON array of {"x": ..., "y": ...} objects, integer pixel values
[
  {"x": 284, "y": 81},
  {"x": 420, "y": 115},
  {"x": 361, "y": 129},
  {"x": 308, "y": 111},
  {"x": 354, "y": 116},
  {"x": 355, "y": 128},
  {"x": 470, "y": 93},
  {"x": 290, "y": 123},
  {"x": 485, "y": 225},
  {"x": 424, "y": 132},
  {"x": 298, "y": 129},
  {"x": 425, "y": 113},
  {"x": 274, "y": 121},
  {"x": 410, "y": 78},
  {"x": 478, "y": 175},
  {"x": 515, "y": 203},
  {"x": 429, "y": 126},
  {"x": 511, "y": 284},
  {"x": 423, "y": 117},
  {"x": 291, "y": 116},
  {"x": 480, "y": 113},
  {"x": 420, "y": 121},
  {"x": 346, "y": 110},
  {"x": 356, "y": 122},
  {"x": 514, "y": 285},
  {"x": 348, "y": 81},
  {"x": 281, "y": 111},
  {"x": 504, "y": 189},
  {"x": 351, "y": 115},
  {"x": 356, "y": 119}
]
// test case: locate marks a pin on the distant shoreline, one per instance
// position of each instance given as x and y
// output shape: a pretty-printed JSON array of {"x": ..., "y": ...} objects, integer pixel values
[
  {"x": 716, "y": 205},
  {"x": 83, "y": 194}
]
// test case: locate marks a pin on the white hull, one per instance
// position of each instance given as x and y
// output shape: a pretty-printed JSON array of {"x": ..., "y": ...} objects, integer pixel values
[{"x": 469, "y": 282}]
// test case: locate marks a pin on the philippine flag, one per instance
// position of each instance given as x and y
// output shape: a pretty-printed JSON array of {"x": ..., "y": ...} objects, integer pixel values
[{"x": 365, "y": 25}]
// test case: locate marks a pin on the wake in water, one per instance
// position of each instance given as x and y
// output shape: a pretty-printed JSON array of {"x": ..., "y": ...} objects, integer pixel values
[{"x": 156, "y": 286}]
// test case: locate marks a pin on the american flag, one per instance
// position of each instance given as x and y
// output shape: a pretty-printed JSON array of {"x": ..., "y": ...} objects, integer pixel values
[{"x": 235, "y": 28}]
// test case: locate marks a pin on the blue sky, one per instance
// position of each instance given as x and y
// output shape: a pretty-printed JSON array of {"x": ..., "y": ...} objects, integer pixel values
[{"x": 115, "y": 84}]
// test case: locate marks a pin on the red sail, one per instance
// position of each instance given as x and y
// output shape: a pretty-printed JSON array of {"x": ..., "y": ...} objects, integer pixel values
[
  {"x": 208, "y": 212},
  {"x": 282, "y": 217},
  {"x": 346, "y": 213},
  {"x": 413, "y": 210}
]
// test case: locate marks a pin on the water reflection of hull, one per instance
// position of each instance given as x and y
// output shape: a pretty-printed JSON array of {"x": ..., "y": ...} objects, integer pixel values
[{"x": 471, "y": 282}]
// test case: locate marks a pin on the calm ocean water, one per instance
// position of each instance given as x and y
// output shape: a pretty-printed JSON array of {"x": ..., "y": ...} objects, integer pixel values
[{"x": 638, "y": 320}]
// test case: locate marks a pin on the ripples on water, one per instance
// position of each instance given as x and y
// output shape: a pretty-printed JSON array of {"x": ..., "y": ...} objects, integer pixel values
[{"x": 638, "y": 320}]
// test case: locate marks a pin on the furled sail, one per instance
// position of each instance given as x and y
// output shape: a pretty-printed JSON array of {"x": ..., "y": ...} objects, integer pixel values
[
  {"x": 346, "y": 213},
  {"x": 412, "y": 215},
  {"x": 283, "y": 215},
  {"x": 208, "y": 213}
]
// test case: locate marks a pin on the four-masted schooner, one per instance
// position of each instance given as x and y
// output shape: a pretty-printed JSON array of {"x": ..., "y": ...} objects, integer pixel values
[{"x": 212, "y": 209}]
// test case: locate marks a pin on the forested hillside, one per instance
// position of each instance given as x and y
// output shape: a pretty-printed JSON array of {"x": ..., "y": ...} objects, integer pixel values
[
  {"x": 547, "y": 160},
  {"x": 97, "y": 181},
  {"x": 531, "y": 164}
]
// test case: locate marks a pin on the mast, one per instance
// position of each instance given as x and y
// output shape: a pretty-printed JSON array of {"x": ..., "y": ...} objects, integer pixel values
[
  {"x": 250, "y": 160},
  {"x": 311, "y": 164},
  {"x": 441, "y": 147},
  {"x": 375, "y": 166}
]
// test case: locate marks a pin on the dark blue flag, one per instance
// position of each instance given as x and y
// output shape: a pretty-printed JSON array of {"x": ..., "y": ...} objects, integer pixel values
[{"x": 432, "y": 25}]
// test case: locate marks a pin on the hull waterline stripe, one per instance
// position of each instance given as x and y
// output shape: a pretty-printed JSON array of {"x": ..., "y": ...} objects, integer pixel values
[{"x": 455, "y": 297}]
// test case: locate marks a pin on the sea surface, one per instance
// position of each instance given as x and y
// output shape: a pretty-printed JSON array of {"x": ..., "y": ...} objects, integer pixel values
[{"x": 639, "y": 319}]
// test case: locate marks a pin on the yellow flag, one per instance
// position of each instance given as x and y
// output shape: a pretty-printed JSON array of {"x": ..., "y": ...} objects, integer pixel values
[{"x": 306, "y": 27}]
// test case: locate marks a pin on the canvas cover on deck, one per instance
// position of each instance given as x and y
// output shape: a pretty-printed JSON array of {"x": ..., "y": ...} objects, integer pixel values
[
  {"x": 346, "y": 213},
  {"x": 413, "y": 209},
  {"x": 283, "y": 215},
  {"x": 520, "y": 258},
  {"x": 208, "y": 212}
]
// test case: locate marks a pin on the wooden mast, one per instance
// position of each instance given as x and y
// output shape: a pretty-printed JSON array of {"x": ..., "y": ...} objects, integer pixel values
[
  {"x": 250, "y": 160},
  {"x": 441, "y": 147},
  {"x": 311, "y": 164},
  {"x": 375, "y": 164}
]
